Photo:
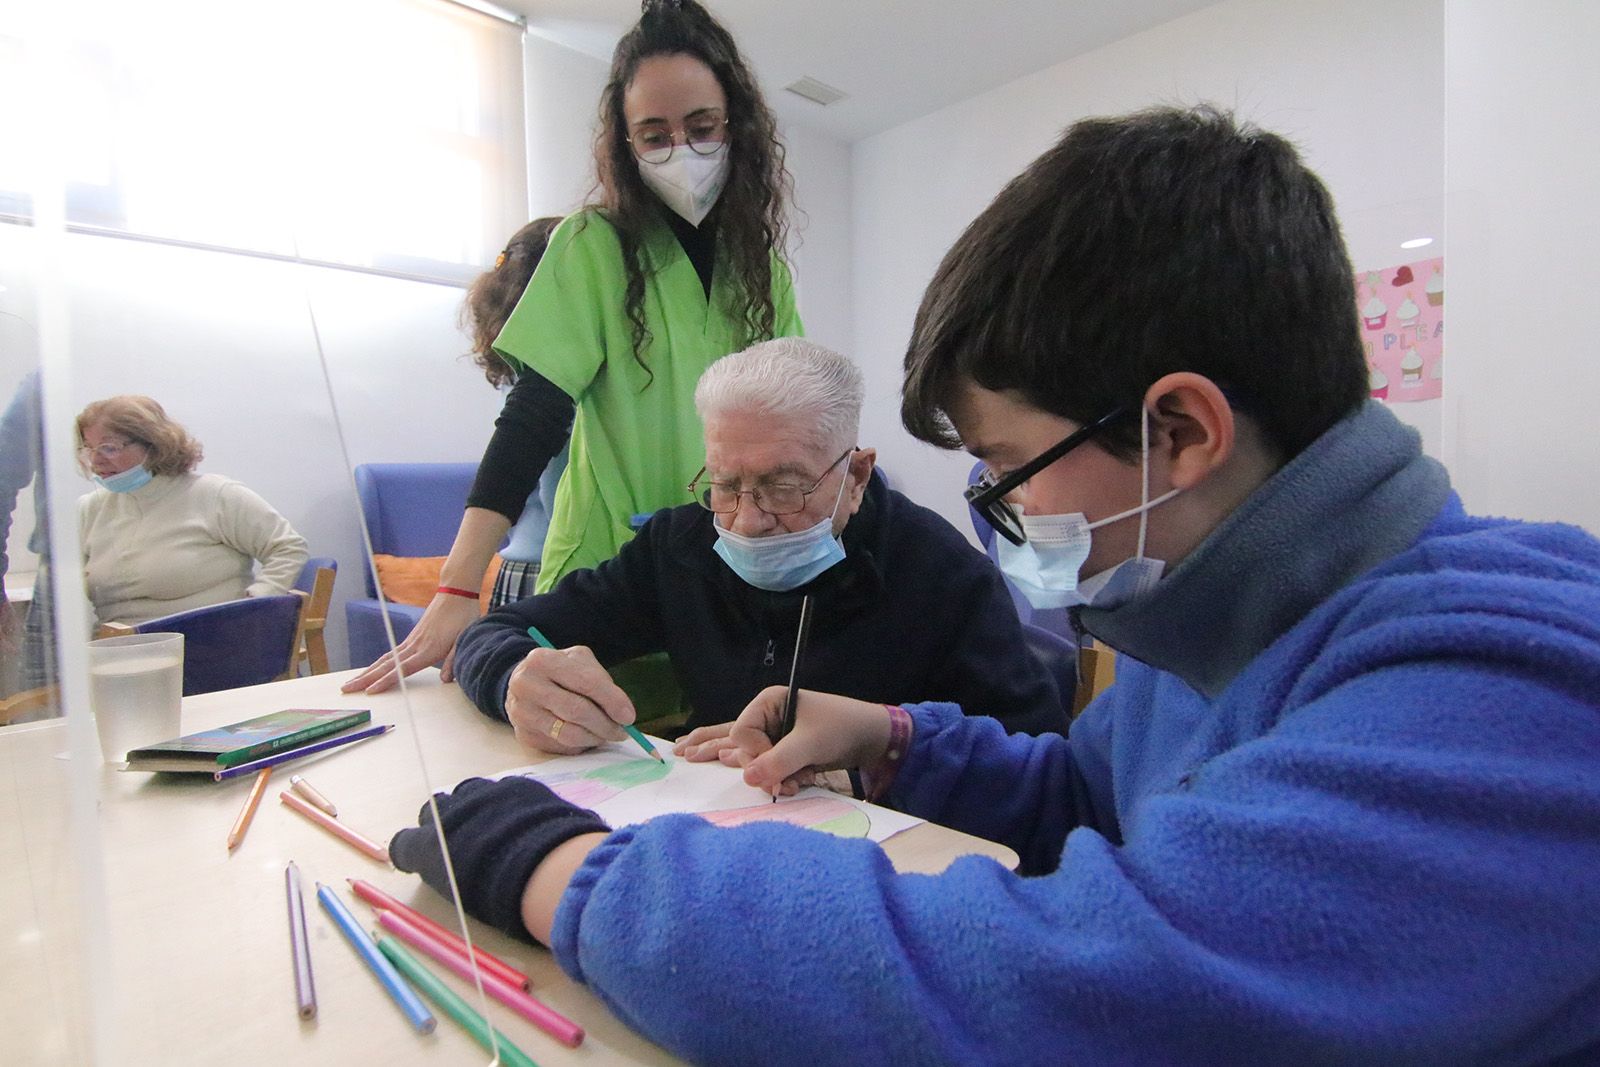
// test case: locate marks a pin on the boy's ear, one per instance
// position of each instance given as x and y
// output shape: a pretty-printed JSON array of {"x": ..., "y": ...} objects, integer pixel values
[{"x": 1194, "y": 423}]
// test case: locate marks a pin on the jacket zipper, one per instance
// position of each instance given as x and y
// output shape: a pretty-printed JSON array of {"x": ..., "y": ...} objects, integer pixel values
[{"x": 769, "y": 658}]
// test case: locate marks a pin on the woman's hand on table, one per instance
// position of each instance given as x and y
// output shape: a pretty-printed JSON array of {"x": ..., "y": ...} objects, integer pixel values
[
  {"x": 830, "y": 732},
  {"x": 432, "y": 641},
  {"x": 560, "y": 700}
]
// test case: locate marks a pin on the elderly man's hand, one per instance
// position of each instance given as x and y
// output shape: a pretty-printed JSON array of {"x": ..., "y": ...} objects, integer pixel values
[{"x": 561, "y": 700}]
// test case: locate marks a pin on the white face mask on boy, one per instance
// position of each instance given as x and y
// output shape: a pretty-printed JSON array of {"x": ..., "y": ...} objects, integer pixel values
[{"x": 1045, "y": 567}]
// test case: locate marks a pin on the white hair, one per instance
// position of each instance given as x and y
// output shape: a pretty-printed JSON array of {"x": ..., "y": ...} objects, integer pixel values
[{"x": 788, "y": 378}]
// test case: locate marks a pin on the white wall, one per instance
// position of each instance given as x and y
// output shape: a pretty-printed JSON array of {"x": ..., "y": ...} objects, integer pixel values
[
  {"x": 1523, "y": 105},
  {"x": 563, "y": 97},
  {"x": 1356, "y": 84},
  {"x": 821, "y": 250}
]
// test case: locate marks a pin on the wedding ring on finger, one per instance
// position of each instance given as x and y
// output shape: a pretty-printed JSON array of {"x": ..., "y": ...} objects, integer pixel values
[{"x": 555, "y": 728}]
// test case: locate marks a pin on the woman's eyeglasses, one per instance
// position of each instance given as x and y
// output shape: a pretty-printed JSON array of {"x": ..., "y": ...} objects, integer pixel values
[
  {"x": 987, "y": 495},
  {"x": 704, "y": 132},
  {"x": 108, "y": 450}
]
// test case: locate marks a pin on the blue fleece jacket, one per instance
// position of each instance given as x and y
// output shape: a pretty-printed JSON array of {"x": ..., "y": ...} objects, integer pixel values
[{"x": 1348, "y": 814}]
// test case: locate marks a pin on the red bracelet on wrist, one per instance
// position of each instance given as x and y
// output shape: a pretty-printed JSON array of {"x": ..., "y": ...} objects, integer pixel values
[
  {"x": 877, "y": 779},
  {"x": 453, "y": 591}
]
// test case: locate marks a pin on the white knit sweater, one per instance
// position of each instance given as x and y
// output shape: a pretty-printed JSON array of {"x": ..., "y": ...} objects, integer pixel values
[{"x": 183, "y": 541}]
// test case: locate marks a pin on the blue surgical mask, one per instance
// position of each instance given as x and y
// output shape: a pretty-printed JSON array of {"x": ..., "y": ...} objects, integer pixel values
[
  {"x": 125, "y": 481},
  {"x": 781, "y": 562},
  {"x": 1045, "y": 567}
]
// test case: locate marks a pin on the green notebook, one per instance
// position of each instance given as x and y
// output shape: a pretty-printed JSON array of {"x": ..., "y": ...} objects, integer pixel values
[{"x": 240, "y": 742}]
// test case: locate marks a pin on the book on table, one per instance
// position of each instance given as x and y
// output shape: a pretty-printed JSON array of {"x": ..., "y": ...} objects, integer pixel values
[{"x": 209, "y": 751}]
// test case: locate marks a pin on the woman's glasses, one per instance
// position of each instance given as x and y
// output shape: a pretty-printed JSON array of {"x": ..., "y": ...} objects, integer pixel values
[
  {"x": 108, "y": 450},
  {"x": 704, "y": 132}
]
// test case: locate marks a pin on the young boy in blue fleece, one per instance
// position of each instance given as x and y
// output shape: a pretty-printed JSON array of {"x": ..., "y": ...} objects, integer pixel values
[{"x": 1342, "y": 804}]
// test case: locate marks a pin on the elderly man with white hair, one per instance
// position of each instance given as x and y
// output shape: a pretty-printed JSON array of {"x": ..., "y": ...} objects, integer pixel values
[{"x": 788, "y": 505}]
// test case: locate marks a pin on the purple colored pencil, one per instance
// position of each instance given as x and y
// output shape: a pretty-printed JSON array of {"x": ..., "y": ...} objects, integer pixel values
[
  {"x": 305, "y": 750},
  {"x": 305, "y": 990}
]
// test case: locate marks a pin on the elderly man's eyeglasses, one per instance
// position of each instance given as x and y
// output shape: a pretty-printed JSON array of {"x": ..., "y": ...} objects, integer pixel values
[
  {"x": 106, "y": 450},
  {"x": 704, "y": 132},
  {"x": 774, "y": 499},
  {"x": 987, "y": 495}
]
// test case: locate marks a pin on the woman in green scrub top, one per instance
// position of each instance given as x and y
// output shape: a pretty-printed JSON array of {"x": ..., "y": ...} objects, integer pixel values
[{"x": 675, "y": 264}]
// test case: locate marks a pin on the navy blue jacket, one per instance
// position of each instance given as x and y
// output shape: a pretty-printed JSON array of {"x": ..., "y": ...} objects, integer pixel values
[{"x": 913, "y": 613}]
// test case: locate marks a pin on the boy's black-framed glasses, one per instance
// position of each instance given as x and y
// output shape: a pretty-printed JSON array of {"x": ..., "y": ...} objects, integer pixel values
[{"x": 987, "y": 495}]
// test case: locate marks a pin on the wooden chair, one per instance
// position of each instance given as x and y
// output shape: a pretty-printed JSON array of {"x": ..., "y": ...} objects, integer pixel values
[
  {"x": 1097, "y": 669},
  {"x": 310, "y": 642},
  {"x": 17, "y": 705}
]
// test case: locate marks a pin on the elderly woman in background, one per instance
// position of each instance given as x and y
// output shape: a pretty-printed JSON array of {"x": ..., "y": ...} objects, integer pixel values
[{"x": 159, "y": 538}]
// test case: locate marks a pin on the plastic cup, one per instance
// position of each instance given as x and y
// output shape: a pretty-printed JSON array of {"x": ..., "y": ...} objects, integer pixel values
[{"x": 136, "y": 690}]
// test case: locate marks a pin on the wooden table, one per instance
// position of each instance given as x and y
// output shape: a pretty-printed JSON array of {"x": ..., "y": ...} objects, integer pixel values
[{"x": 198, "y": 958}]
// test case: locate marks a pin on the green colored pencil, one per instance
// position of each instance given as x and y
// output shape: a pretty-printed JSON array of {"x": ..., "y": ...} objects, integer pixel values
[
  {"x": 632, "y": 731},
  {"x": 452, "y": 1005}
]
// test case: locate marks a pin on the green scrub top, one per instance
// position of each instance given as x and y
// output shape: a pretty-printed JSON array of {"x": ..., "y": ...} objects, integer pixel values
[{"x": 636, "y": 438}]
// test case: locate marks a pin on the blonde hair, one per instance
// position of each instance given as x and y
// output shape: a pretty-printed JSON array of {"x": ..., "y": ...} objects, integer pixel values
[{"x": 169, "y": 448}]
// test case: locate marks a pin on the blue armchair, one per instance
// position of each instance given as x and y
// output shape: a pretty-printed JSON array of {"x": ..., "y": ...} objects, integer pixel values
[
  {"x": 235, "y": 643},
  {"x": 410, "y": 509}
]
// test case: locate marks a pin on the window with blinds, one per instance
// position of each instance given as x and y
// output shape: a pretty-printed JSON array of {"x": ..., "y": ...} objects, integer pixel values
[{"x": 384, "y": 135}]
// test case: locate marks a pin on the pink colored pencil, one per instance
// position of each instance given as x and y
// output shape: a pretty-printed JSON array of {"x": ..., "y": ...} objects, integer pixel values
[
  {"x": 556, "y": 1025},
  {"x": 335, "y": 827},
  {"x": 487, "y": 960}
]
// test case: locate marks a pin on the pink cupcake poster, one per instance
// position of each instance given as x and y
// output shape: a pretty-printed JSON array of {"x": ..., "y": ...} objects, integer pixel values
[{"x": 1402, "y": 330}]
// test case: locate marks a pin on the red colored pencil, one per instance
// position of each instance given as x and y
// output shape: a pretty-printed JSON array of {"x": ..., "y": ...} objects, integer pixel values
[
  {"x": 551, "y": 1022},
  {"x": 335, "y": 827},
  {"x": 487, "y": 960}
]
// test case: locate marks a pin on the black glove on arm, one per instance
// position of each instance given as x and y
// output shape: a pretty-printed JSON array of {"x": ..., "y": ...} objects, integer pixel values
[{"x": 498, "y": 832}]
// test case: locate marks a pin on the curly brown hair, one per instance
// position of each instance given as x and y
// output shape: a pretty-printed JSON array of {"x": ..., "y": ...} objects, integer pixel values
[
  {"x": 494, "y": 294},
  {"x": 749, "y": 215},
  {"x": 168, "y": 447}
]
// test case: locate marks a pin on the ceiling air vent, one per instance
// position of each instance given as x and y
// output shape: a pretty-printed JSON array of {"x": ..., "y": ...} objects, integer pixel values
[{"x": 816, "y": 92}]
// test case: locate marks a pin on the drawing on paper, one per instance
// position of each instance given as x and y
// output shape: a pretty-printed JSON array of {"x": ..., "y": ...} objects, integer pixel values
[
  {"x": 625, "y": 790},
  {"x": 829, "y": 814},
  {"x": 596, "y": 786}
]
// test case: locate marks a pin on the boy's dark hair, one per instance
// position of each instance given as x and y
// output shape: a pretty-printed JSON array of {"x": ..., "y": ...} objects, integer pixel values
[
  {"x": 493, "y": 295},
  {"x": 1166, "y": 240},
  {"x": 748, "y": 215}
]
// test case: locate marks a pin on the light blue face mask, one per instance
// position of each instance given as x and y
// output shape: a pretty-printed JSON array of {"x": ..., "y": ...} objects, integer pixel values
[
  {"x": 1046, "y": 566},
  {"x": 125, "y": 481},
  {"x": 781, "y": 562}
]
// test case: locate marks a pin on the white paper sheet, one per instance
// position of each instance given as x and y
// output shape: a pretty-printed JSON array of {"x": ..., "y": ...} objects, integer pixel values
[{"x": 624, "y": 786}]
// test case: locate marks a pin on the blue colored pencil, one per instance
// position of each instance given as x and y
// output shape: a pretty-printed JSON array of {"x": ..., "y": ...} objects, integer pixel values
[
  {"x": 304, "y": 750},
  {"x": 402, "y": 994},
  {"x": 627, "y": 728}
]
